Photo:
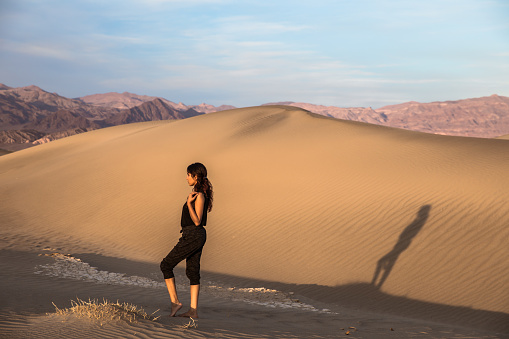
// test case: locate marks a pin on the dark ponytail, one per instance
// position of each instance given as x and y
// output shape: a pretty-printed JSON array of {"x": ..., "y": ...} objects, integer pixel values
[{"x": 203, "y": 184}]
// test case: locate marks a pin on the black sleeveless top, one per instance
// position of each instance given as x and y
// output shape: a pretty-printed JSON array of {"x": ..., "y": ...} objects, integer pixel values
[{"x": 186, "y": 220}]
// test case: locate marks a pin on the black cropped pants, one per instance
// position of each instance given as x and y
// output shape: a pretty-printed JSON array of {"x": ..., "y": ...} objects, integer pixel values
[{"x": 189, "y": 247}]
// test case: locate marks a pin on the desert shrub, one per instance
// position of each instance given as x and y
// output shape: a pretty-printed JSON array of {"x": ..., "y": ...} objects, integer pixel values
[{"x": 105, "y": 311}]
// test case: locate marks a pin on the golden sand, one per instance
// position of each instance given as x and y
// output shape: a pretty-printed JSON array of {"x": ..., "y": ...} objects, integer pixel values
[{"x": 299, "y": 198}]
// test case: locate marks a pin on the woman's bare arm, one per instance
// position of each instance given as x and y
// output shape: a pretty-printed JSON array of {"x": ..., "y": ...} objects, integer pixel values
[{"x": 196, "y": 211}]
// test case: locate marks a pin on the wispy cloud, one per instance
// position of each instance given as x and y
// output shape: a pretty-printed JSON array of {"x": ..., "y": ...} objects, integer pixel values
[
  {"x": 37, "y": 50},
  {"x": 187, "y": 2},
  {"x": 119, "y": 39},
  {"x": 241, "y": 25}
]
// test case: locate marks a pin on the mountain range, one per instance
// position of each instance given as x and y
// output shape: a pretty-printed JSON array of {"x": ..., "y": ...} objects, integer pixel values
[
  {"x": 485, "y": 117},
  {"x": 30, "y": 116}
]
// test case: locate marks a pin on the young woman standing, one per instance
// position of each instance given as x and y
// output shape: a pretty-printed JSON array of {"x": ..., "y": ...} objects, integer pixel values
[{"x": 190, "y": 244}]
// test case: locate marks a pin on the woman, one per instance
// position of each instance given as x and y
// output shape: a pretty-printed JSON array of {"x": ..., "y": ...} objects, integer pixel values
[{"x": 190, "y": 245}]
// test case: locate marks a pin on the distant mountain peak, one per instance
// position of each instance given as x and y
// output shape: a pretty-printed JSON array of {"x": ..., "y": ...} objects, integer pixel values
[{"x": 33, "y": 88}]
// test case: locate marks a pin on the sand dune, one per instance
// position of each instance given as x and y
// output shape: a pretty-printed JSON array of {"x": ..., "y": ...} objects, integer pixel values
[
  {"x": 3, "y": 152},
  {"x": 300, "y": 199}
]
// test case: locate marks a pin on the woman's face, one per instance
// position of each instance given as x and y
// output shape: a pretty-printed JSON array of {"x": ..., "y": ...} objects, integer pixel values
[{"x": 191, "y": 180}]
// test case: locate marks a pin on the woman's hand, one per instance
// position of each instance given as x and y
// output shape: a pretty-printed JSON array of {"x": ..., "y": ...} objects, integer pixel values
[
  {"x": 196, "y": 211},
  {"x": 191, "y": 197}
]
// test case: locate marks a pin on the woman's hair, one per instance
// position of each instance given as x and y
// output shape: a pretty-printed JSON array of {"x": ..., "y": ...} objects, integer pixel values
[{"x": 203, "y": 184}]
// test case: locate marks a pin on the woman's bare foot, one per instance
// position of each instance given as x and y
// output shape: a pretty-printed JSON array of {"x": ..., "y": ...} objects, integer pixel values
[
  {"x": 192, "y": 313},
  {"x": 175, "y": 308}
]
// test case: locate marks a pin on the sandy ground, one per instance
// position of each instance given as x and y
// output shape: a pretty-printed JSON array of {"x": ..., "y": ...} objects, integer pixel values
[
  {"x": 229, "y": 308},
  {"x": 319, "y": 225}
]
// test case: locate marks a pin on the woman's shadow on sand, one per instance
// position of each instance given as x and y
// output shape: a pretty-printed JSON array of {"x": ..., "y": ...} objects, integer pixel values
[
  {"x": 370, "y": 297},
  {"x": 386, "y": 263}
]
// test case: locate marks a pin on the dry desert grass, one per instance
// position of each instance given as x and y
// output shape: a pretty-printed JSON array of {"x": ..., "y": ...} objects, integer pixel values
[{"x": 106, "y": 311}]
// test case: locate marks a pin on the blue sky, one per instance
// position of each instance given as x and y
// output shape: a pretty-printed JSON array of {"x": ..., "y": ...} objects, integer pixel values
[{"x": 346, "y": 53}]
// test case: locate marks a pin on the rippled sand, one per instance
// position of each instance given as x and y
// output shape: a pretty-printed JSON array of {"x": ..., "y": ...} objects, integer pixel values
[{"x": 360, "y": 223}]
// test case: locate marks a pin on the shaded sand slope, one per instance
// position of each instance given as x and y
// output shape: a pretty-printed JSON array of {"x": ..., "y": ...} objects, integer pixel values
[{"x": 299, "y": 199}]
